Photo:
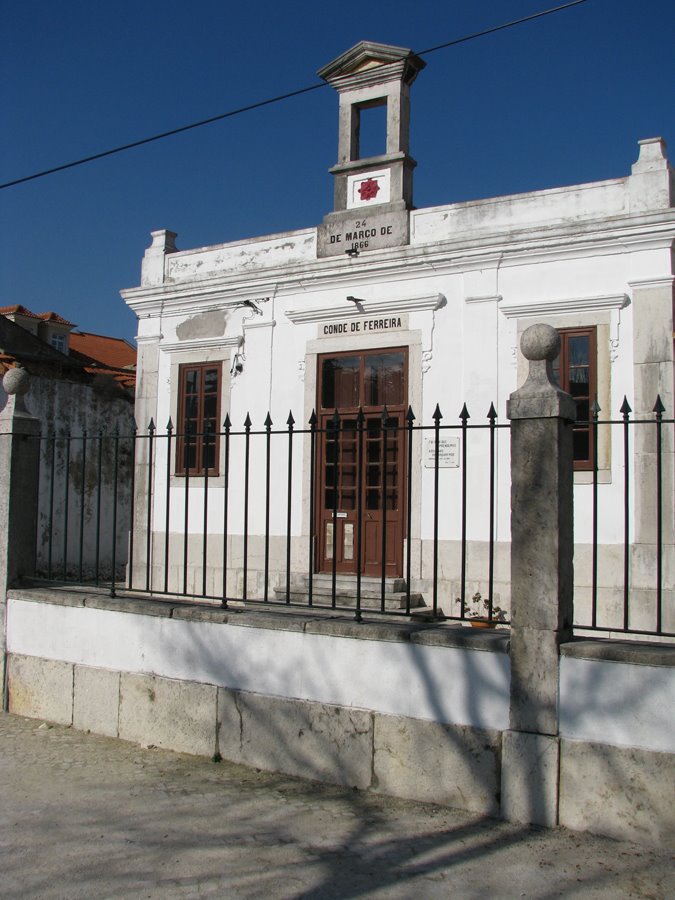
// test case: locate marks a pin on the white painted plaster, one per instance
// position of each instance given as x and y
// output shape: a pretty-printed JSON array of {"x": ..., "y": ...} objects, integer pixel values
[
  {"x": 617, "y": 703},
  {"x": 562, "y": 205},
  {"x": 575, "y": 254},
  {"x": 463, "y": 687},
  {"x": 286, "y": 248}
]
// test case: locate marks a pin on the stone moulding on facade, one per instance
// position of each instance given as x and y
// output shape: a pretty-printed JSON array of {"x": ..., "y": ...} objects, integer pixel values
[
  {"x": 217, "y": 343},
  {"x": 427, "y": 302},
  {"x": 665, "y": 281},
  {"x": 565, "y": 306},
  {"x": 450, "y": 254}
]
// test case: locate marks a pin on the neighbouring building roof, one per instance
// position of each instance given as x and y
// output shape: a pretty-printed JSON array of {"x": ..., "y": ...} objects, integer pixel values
[
  {"x": 20, "y": 310},
  {"x": 110, "y": 351},
  {"x": 91, "y": 357},
  {"x": 103, "y": 355}
]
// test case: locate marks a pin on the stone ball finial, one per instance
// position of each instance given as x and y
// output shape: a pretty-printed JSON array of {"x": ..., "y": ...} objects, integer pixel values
[
  {"x": 16, "y": 381},
  {"x": 540, "y": 342}
]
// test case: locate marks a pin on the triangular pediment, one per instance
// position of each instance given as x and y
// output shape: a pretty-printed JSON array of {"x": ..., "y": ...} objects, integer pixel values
[{"x": 367, "y": 55}]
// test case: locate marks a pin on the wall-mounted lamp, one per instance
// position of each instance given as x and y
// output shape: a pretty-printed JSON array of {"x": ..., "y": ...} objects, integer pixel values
[
  {"x": 237, "y": 364},
  {"x": 253, "y": 305},
  {"x": 356, "y": 300},
  {"x": 352, "y": 252}
]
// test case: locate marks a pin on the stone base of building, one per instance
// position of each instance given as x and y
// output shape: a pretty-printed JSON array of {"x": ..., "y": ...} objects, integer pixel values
[
  {"x": 413, "y": 710},
  {"x": 450, "y": 765}
]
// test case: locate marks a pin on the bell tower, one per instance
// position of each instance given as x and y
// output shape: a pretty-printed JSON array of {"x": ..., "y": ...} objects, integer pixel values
[{"x": 373, "y": 194}]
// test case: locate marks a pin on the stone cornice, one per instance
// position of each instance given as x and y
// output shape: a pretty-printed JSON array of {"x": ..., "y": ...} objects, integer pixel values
[
  {"x": 427, "y": 302},
  {"x": 216, "y": 343},
  {"x": 571, "y": 305},
  {"x": 262, "y": 323},
  {"x": 656, "y": 231},
  {"x": 665, "y": 281}
]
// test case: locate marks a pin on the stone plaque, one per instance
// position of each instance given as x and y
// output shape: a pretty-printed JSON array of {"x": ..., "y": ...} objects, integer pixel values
[
  {"x": 448, "y": 452},
  {"x": 356, "y": 231},
  {"x": 354, "y": 327}
]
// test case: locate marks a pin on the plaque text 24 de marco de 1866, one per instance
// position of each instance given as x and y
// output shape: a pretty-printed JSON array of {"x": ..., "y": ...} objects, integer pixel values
[
  {"x": 362, "y": 234},
  {"x": 346, "y": 233}
]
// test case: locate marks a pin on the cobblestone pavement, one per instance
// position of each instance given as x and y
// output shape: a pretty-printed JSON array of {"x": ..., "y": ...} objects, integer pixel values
[{"x": 86, "y": 816}]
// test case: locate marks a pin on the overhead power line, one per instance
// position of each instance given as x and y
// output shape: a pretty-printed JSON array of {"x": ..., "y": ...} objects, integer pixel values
[
  {"x": 494, "y": 28},
  {"x": 271, "y": 100}
]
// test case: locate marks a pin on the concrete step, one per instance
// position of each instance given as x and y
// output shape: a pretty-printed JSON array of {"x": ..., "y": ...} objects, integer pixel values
[
  {"x": 369, "y": 600},
  {"x": 395, "y": 585}
]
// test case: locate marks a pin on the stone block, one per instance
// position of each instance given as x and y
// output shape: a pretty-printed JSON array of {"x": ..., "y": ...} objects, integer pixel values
[
  {"x": 341, "y": 231},
  {"x": 652, "y": 338},
  {"x": 176, "y": 715},
  {"x": 313, "y": 740},
  {"x": 448, "y": 764},
  {"x": 534, "y": 680},
  {"x": 623, "y": 792},
  {"x": 229, "y": 726},
  {"x": 541, "y": 513},
  {"x": 530, "y": 764},
  {"x": 96, "y": 700},
  {"x": 41, "y": 689}
]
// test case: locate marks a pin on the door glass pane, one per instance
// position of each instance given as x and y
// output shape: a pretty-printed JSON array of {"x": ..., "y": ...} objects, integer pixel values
[
  {"x": 340, "y": 382},
  {"x": 384, "y": 379}
]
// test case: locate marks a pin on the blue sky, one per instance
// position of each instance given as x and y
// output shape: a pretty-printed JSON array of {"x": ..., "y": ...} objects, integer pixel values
[{"x": 557, "y": 101}]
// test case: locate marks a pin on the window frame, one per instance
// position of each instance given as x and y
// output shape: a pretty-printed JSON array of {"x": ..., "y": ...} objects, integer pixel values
[
  {"x": 198, "y": 469},
  {"x": 586, "y": 464},
  {"x": 59, "y": 342}
]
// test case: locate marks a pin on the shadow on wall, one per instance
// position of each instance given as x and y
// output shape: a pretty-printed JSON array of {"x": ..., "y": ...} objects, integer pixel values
[{"x": 86, "y": 480}]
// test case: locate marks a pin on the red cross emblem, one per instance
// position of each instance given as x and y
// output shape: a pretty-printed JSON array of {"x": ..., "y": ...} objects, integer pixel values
[{"x": 369, "y": 189}]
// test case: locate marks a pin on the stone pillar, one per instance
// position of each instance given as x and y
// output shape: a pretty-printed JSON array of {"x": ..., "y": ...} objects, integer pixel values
[
  {"x": 152, "y": 268},
  {"x": 542, "y": 547},
  {"x": 19, "y": 471}
]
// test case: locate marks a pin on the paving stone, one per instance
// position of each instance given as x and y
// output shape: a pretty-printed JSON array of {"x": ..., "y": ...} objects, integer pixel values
[{"x": 87, "y": 816}]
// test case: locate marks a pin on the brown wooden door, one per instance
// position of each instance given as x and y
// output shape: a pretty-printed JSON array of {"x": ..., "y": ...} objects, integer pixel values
[{"x": 361, "y": 466}]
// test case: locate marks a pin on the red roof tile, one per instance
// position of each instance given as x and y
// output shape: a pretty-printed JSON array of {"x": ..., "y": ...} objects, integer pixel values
[
  {"x": 109, "y": 351},
  {"x": 45, "y": 316}
]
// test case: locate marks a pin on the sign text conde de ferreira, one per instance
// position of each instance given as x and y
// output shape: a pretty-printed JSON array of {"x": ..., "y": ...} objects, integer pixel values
[{"x": 362, "y": 326}]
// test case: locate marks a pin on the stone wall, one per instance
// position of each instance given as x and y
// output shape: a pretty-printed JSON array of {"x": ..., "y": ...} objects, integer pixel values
[{"x": 410, "y": 710}]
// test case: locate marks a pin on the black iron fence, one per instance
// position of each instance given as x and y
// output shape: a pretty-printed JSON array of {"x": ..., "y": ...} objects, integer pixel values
[{"x": 309, "y": 516}]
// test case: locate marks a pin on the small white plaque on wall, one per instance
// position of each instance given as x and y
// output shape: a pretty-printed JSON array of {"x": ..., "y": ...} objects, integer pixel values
[
  {"x": 448, "y": 453},
  {"x": 368, "y": 189}
]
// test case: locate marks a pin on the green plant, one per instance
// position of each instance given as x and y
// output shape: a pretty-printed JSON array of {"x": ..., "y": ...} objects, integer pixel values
[{"x": 472, "y": 608}]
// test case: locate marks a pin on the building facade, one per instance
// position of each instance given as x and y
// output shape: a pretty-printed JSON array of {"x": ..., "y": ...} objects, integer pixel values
[
  {"x": 384, "y": 310},
  {"x": 80, "y": 390}
]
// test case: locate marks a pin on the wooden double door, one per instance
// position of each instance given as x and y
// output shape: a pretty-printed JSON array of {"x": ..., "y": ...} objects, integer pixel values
[{"x": 361, "y": 461}]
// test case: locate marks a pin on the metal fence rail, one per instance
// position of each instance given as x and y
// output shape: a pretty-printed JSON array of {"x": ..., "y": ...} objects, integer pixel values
[
  {"x": 103, "y": 496},
  {"x": 278, "y": 442},
  {"x": 629, "y": 470}
]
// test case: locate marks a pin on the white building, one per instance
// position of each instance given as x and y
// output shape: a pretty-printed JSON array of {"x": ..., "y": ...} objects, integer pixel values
[{"x": 387, "y": 305}]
